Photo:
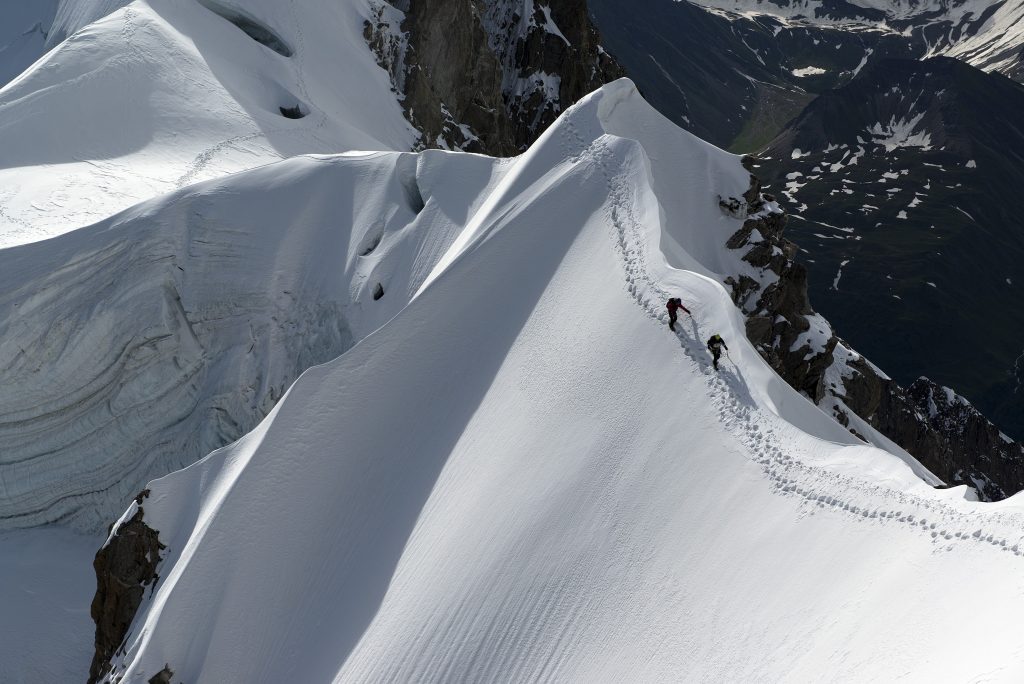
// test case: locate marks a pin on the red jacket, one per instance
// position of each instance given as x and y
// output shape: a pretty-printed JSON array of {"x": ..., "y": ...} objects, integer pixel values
[{"x": 676, "y": 303}]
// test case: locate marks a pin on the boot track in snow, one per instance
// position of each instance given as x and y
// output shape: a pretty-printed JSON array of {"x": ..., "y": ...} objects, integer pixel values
[{"x": 757, "y": 430}]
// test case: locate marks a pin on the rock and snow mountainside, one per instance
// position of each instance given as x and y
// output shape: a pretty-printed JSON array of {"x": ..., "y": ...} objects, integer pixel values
[
  {"x": 523, "y": 474},
  {"x": 899, "y": 173},
  {"x": 901, "y": 183},
  {"x": 167, "y": 93},
  {"x": 987, "y": 34},
  {"x": 771, "y": 58},
  {"x": 507, "y": 437},
  {"x": 497, "y": 82},
  {"x": 760, "y": 73}
]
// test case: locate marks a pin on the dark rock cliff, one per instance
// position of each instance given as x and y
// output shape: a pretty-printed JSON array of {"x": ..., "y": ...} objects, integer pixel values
[
  {"x": 934, "y": 424},
  {"x": 487, "y": 76},
  {"x": 124, "y": 567}
]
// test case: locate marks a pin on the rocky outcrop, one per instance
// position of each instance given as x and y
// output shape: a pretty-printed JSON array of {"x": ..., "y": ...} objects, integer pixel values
[
  {"x": 934, "y": 424},
  {"x": 125, "y": 567},
  {"x": 963, "y": 446},
  {"x": 487, "y": 76},
  {"x": 163, "y": 676}
]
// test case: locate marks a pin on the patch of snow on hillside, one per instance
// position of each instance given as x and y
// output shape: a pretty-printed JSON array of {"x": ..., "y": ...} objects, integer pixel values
[
  {"x": 840, "y": 369},
  {"x": 839, "y": 274},
  {"x": 550, "y": 26},
  {"x": 964, "y": 212},
  {"x": 900, "y": 133},
  {"x": 808, "y": 71}
]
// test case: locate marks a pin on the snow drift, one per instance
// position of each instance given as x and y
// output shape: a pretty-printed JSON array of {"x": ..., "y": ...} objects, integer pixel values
[
  {"x": 170, "y": 330},
  {"x": 160, "y": 94},
  {"x": 524, "y": 475}
]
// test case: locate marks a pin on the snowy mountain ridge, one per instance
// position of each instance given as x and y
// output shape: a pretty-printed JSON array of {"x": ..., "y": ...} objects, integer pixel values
[
  {"x": 505, "y": 466},
  {"x": 895, "y": 169},
  {"x": 547, "y": 485}
]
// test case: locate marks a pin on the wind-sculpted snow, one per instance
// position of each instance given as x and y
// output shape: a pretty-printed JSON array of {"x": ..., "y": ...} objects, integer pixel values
[
  {"x": 525, "y": 476},
  {"x": 159, "y": 94},
  {"x": 139, "y": 345}
]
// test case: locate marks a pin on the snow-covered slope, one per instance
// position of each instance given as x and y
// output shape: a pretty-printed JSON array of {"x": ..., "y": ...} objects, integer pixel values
[
  {"x": 136, "y": 346},
  {"x": 164, "y": 93},
  {"x": 524, "y": 475},
  {"x": 46, "y": 585},
  {"x": 23, "y": 34}
]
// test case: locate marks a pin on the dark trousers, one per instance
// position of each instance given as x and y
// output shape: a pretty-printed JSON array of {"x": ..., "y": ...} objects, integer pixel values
[{"x": 672, "y": 320}]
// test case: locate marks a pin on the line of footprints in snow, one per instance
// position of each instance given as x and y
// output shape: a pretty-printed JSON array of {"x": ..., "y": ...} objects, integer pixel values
[{"x": 788, "y": 475}]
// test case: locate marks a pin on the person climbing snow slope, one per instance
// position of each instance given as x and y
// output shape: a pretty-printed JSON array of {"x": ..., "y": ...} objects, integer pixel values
[
  {"x": 673, "y": 306},
  {"x": 715, "y": 344}
]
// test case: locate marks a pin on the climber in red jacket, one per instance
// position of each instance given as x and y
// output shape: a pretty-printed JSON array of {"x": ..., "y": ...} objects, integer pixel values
[{"x": 674, "y": 305}]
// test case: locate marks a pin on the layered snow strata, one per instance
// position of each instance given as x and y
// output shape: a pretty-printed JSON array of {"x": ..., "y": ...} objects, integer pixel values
[{"x": 138, "y": 345}]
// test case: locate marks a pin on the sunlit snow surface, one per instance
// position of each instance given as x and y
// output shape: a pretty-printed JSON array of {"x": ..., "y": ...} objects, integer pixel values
[
  {"x": 524, "y": 476},
  {"x": 514, "y": 472},
  {"x": 163, "y": 93}
]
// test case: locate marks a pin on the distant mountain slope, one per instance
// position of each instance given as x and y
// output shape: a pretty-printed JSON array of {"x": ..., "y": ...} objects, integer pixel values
[
  {"x": 734, "y": 79},
  {"x": 988, "y": 34},
  {"x": 903, "y": 181}
]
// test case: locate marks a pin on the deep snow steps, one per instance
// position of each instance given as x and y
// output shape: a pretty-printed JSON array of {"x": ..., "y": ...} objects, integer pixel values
[{"x": 253, "y": 28}]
